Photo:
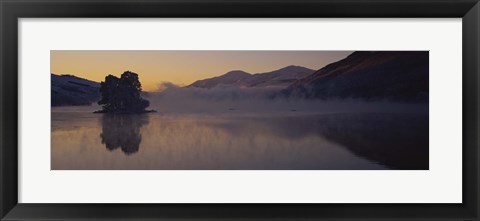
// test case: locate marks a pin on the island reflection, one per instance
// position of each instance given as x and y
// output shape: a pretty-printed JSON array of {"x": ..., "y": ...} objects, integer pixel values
[{"x": 122, "y": 131}]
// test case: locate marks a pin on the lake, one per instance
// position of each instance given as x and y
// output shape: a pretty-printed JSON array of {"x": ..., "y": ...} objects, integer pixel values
[{"x": 82, "y": 140}]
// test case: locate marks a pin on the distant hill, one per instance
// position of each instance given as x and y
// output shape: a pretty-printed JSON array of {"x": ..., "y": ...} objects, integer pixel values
[
  {"x": 230, "y": 78},
  {"x": 391, "y": 75},
  {"x": 282, "y": 77},
  {"x": 279, "y": 78},
  {"x": 71, "y": 90}
]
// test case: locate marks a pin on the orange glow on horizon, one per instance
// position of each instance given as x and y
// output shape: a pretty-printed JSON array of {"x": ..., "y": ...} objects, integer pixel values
[{"x": 181, "y": 67}]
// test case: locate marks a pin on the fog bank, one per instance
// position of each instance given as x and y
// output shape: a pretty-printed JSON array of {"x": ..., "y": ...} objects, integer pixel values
[{"x": 229, "y": 100}]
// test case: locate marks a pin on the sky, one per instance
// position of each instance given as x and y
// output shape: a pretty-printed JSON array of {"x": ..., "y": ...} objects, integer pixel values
[{"x": 181, "y": 67}]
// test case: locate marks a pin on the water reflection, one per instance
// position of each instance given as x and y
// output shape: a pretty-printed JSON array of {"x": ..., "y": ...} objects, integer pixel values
[
  {"x": 82, "y": 140},
  {"x": 397, "y": 141},
  {"x": 122, "y": 131}
]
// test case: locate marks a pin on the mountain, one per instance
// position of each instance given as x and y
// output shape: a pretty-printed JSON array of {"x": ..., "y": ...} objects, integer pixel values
[
  {"x": 71, "y": 90},
  {"x": 281, "y": 78},
  {"x": 229, "y": 78},
  {"x": 392, "y": 75}
]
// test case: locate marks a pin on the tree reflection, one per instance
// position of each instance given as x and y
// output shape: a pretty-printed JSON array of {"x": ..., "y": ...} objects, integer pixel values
[{"x": 123, "y": 131}]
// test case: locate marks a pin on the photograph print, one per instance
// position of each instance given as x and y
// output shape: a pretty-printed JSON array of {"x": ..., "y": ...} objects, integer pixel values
[{"x": 239, "y": 110}]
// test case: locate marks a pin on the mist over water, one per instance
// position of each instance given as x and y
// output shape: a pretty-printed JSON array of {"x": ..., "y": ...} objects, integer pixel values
[
  {"x": 243, "y": 129},
  {"x": 264, "y": 100}
]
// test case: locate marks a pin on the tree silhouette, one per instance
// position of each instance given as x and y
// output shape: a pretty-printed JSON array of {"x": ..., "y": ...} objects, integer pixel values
[{"x": 122, "y": 95}]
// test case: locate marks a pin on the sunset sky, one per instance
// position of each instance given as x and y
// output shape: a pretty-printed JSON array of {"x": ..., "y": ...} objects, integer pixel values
[{"x": 182, "y": 67}]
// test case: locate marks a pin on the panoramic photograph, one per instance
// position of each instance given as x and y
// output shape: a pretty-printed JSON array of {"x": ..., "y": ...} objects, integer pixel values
[{"x": 239, "y": 110}]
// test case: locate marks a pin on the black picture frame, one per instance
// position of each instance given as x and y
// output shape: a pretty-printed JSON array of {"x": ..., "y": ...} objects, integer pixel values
[{"x": 12, "y": 10}]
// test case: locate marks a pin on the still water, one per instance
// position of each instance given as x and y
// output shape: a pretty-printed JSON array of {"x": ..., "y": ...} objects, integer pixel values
[{"x": 82, "y": 140}]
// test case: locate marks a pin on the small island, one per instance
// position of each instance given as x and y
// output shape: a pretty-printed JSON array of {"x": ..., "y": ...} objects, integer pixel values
[{"x": 122, "y": 95}]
